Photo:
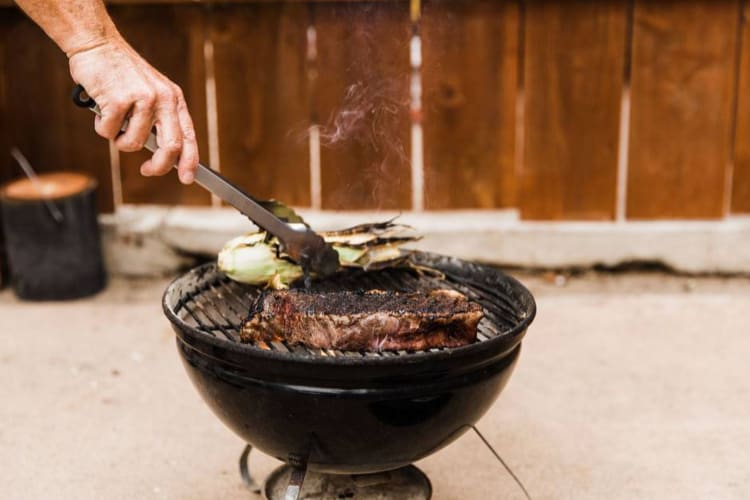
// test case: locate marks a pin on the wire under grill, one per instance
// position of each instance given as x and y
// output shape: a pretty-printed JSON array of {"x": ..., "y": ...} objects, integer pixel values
[{"x": 217, "y": 306}]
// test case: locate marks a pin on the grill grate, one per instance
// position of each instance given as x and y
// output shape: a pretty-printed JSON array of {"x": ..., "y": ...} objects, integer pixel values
[{"x": 217, "y": 306}]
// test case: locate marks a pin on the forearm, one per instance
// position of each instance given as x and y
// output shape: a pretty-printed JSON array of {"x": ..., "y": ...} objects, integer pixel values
[
  {"x": 74, "y": 25},
  {"x": 124, "y": 85}
]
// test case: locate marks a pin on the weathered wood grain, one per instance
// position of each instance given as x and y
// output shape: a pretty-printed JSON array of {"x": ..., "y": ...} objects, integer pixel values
[
  {"x": 262, "y": 98},
  {"x": 683, "y": 76},
  {"x": 7, "y": 17},
  {"x": 362, "y": 98},
  {"x": 470, "y": 78},
  {"x": 740, "y": 202},
  {"x": 573, "y": 78},
  {"x": 171, "y": 39}
]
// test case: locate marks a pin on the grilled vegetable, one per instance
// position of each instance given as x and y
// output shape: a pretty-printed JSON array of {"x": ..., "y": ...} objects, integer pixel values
[{"x": 257, "y": 259}]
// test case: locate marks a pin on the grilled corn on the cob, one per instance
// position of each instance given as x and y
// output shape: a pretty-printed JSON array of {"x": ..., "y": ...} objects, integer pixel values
[{"x": 255, "y": 259}]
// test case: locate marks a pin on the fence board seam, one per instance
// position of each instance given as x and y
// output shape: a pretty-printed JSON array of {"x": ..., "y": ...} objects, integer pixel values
[
  {"x": 621, "y": 192},
  {"x": 313, "y": 139},
  {"x": 212, "y": 112},
  {"x": 415, "y": 105},
  {"x": 520, "y": 109}
]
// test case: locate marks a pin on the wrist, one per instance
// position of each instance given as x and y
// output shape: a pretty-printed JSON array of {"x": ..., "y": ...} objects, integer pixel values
[{"x": 86, "y": 42}]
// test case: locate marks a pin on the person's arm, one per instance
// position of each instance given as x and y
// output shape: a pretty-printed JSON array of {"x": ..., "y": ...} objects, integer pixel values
[{"x": 121, "y": 82}]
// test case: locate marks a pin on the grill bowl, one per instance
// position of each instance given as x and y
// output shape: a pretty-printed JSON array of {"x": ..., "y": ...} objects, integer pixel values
[{"x": 348, "y": 412}]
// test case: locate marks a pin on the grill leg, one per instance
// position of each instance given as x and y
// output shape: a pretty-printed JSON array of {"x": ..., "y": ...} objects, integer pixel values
[
  {"x": 295, "y": 483},
  {"x": 502, "y": 462},
  {"x": 245, "y": 471}
]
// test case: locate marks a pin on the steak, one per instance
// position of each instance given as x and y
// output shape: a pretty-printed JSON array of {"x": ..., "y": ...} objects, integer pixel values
[{"x": 363, "y": 321}]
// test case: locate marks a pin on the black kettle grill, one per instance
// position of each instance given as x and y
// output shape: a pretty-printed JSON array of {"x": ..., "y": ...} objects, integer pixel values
[{"x": 348, "y": 412}]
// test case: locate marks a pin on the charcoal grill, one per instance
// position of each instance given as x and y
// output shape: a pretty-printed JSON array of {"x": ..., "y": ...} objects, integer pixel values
[{"x": 348, "y": 412}]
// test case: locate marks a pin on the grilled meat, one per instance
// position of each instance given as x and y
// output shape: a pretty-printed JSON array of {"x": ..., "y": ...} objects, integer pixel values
[{"x": 363, "y": 321}]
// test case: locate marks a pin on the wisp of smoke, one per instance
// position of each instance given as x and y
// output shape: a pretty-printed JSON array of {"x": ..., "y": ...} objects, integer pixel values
[{"x": 369, "y": 113}]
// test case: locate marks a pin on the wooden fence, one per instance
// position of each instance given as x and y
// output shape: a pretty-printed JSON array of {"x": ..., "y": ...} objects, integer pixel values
[{"x": 576, "y": 110}]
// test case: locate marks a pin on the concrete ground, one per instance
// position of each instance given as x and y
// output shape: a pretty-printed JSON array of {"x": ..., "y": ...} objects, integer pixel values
[{"x": 629, "y": 386}]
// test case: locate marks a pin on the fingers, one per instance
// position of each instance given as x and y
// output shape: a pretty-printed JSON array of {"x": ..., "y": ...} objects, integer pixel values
[
  {"x": 125, "y": 85},
  {"x": 176, "y": 140},
  {"x": 189, "y": 155},
  {"x": 113, "y": 115},
  {"x": 168, "y": 139},
  {"x": 147, "y": 168},
  {"x": 165, "y": 110},
  {"x": 139, "y": 126}
]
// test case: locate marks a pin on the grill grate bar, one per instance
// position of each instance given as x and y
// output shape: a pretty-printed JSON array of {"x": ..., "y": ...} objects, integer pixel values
[
  {"x": 200, "y": 324},
  {"x": 215, "y": 325},
  {"x": 219, "y": 306},
  {"x": 243, "y": 293},
  {"x": 279, "y": 346},
  {"x": 487, "y": 329},
  {"x": 239, "y": 303},
  {"x": 238, "y": 317},
  {"x": 498, "y": 314},
  {"x": 231, "y": 313},
  {"x": 300, "y": 350},
  {"x": 497, "y": 300},
  {"x": 197, "y": 312}
]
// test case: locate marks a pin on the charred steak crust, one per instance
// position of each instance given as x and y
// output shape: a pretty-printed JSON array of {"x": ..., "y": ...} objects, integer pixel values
[{"x": 363, "y": 321}]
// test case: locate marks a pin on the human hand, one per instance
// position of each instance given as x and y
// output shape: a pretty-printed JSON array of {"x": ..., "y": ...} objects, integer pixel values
[{"x": 125, "y": 86}]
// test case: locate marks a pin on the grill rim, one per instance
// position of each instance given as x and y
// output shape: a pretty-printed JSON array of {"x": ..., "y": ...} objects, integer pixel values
[{"x": 193, "y": 337}]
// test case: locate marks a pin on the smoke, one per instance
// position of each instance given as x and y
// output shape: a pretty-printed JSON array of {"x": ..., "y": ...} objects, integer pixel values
[
  {"x": 370, "y": 114},
  {"x": 366, "y": 117}
]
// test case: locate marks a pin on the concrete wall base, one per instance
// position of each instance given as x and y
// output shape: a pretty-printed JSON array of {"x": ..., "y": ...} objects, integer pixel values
[{"x": 148, "y": 241}]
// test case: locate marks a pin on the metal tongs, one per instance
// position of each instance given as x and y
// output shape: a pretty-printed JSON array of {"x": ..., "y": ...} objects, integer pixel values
[{"x": 306, "y": 247}]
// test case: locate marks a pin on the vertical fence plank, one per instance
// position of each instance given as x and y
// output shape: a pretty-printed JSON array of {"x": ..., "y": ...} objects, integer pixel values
[
  {"x": 262, "y": 98},
  {"x": 362, "y": 97},
  {"x": 683, "y": 74},
  {"x": 741, "y": 178},
  {"x": 8, "y": 16},
  {"x": 573, "y": 79},
  {"x": 171, "y": 38},
  {"x": 470, "y": 76},
  {"x": 42, "y": 121}
]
